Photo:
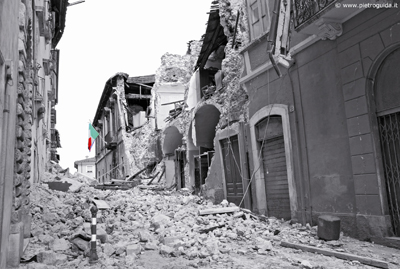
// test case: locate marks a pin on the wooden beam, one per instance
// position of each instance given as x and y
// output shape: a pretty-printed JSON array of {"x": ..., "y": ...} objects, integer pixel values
[
  {"x": 153, "y": 178},
  {"x": 340, "y": 255},
  {"x": 206, "y": 230},
  {"x": 220, "y": 210}
]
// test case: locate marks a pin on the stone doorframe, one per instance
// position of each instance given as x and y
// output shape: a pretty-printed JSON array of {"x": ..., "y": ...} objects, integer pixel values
[
  {"x": 269, "y": 110},
  {"x": 235, "y": 129}
]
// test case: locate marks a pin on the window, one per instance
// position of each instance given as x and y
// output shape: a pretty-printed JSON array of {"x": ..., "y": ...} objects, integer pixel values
[
  {"x": 89, "y": 169},
  {"x": 260, "y": 13}
]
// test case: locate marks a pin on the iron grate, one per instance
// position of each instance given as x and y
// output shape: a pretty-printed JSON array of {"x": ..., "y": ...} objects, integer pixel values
[{"x": 389, "y": 128}]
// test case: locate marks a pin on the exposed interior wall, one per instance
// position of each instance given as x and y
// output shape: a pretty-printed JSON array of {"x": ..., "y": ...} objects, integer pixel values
[
  {"x": 232, "y": 98},
  {"x": 177, "y": 69}
]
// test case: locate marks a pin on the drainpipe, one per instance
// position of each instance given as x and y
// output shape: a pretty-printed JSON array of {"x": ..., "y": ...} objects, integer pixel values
[{"x": 272, "y": 36}]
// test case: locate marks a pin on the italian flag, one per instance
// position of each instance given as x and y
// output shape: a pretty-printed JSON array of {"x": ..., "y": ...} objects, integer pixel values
[{"x": 93, "y": 134}]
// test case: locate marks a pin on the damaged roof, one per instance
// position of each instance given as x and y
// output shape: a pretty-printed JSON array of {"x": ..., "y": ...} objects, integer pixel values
[
  {"x": 111, "y": 82},
  {"x": 213, "y": 38},
  {"x": 141, "y": 79},
  {"x": 60, "y": 9}
]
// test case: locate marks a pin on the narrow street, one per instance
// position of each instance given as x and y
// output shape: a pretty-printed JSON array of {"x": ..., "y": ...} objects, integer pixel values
[{"x": 157, "y": 228}]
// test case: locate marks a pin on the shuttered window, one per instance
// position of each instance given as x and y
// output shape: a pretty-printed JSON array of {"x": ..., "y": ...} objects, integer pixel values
[{"x": 259, "y": 13}]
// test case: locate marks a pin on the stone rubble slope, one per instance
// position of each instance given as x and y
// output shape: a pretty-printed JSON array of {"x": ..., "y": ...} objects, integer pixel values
[{"x": 150, "y": 224}]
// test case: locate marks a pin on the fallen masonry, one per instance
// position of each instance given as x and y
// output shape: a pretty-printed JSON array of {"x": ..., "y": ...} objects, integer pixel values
[{"x": 144, "y": 228}]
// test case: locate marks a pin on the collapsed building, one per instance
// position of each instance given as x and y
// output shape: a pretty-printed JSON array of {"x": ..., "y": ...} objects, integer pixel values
[
  {"x": 29, "y": 33},
  {"x": 294, "y": 118},
  {"x": 126, "y": 125}
]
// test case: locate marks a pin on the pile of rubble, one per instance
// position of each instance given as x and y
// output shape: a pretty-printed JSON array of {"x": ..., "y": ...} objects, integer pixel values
[{"x": 161, "y": 223}]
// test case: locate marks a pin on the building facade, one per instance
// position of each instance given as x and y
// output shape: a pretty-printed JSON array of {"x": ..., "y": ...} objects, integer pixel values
[
  {"x": 305, "y": 122},
  {"x": 29, "y": 33},
  {"x": 323, "y": 131},
  {"x": 125, "y": 122},
  {"x": 86, "y": 167}
]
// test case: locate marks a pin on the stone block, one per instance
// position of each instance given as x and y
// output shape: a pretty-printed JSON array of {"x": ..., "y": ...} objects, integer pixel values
[
  {"x": 363, "y": 164},
  {"x": 159, "y": 220},
  {"x": 356, "y": 107},
  {"x": 358, "y": 125},
  {"x": 328, "y": 227},
  {"x": 51, "y": 258},
  {"x": 166, "y": 250},
  {"x": 60, "y": 244},
  {"x": 144, "y": 236},
  {"x": 377, "y": 21},
  {"x": 50, "y": 218},
  {"x": 391, "y": 35},
  {"x": 373, "y": 226},
  {"x": 367, "y": 62},
  {"x": 35, "y": 265},
  {"x": 108, "y": 249},
  {"x": 349, "y": 56},
  {"x": 81, "y": 244},
  {"x": 361, "y": 144},
  {"x": 352, "y": 72},
  {"x": 371, "y": 47},
  {"x": 133, "y": 249},
  {"x": 171, "y": 240},
  {"x": 366, "y": 184},
  {"x": 150, "y": 246},
  {"x": 368, "y": 204}
]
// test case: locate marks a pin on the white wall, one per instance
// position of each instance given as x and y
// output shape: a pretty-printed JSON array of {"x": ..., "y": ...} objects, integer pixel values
[{"x": 168, "y": 93}]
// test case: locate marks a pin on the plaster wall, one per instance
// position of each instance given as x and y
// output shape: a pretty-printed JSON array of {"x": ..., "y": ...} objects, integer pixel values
[
  {"x": 82, "y": 168},
  {"x": 168, "y": 93},
  {"x": 103, "y": 168},
  {"x": 326, "y": 91}
]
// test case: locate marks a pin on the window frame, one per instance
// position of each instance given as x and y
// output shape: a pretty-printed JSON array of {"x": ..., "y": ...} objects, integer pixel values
[
  {"x": 91, "y": 168},
  {"x": 264, "y": 17}
]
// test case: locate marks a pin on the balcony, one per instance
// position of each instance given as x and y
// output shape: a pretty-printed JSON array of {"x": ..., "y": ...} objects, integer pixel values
[
  {"x": 324, "y": 18},
  {"x": 111, "y": 141}
]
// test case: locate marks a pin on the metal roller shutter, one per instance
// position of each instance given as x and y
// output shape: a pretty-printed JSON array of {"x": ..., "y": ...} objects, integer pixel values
[{"x": 275, "y": 176}]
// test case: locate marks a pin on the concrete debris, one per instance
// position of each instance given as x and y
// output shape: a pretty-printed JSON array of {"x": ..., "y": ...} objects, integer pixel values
[
  {"x": 51, "y": 258},
  {"x": 160, "y": 222}
]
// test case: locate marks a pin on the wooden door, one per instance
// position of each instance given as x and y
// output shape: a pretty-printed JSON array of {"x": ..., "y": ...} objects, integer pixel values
[{"x": 231, "y": 162}]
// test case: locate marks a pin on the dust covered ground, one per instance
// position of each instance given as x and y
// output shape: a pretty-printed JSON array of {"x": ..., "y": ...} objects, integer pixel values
[{"x": 156, "y": 228}]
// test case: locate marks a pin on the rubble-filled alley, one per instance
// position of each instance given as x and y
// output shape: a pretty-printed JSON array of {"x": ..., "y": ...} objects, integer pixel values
[
  {"x": 158, "y": 228},
  {"x": 270, "y": 140}
]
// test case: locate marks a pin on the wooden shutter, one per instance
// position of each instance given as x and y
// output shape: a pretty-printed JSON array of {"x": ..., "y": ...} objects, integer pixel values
[
  {"x": 259, "y": 13},
  {"x": 267, "y": 6},
  {"x": 255, "y": 18},
  {"x": 231, "y": 162}
]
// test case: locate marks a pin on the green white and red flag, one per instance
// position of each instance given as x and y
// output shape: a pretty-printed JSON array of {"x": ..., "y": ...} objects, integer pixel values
[{"x": 93, "y": 134}]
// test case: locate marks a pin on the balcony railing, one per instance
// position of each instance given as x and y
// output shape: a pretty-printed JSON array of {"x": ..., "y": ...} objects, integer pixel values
[{"x": 309, "y": 10}]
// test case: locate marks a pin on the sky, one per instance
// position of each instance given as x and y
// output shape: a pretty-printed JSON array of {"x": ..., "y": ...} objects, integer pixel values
[{"x": 103, "y": 37}]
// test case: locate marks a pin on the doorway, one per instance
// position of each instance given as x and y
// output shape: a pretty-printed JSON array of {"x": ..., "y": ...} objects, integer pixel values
[
  {"x": 387, "y": 101},
  {"x": 272, "y": 147},
  {"x": 231, "y": 162}
]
